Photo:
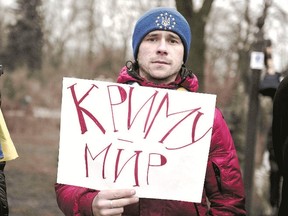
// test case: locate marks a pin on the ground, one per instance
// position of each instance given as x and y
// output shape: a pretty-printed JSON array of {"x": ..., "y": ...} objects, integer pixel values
[{"x": 31, "y": 177}]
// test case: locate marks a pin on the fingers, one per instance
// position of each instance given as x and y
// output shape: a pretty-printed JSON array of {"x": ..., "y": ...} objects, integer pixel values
[
  {"x": 111, "y": 209},
  {"x": 116, "y": 194},
  {"x": 118, "y": 198},
  {"x": 112, "y": 202},
  {"x": 121, "y": 202}
]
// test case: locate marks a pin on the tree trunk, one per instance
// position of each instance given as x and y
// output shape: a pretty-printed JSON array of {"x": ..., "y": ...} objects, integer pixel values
[{"x": 197, "y": 21}]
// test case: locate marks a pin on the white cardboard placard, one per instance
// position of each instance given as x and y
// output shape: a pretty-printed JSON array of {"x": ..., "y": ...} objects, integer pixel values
[{"x": 121, "y": 136}]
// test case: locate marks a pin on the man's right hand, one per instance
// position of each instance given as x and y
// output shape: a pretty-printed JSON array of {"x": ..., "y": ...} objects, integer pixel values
[{"x": 112, "y": 202}]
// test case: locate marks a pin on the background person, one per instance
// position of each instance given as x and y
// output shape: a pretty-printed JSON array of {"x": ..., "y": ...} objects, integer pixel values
[
  {"x": 7, "y": 152},
  {"x": 280, "y": 138}
]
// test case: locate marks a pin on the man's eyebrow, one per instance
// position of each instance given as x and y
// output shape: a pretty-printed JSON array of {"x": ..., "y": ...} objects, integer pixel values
[
  {"x": 156, "y": 34},
  {"x": 175, "y": 36},
  {"x": 151, "y": 34}
]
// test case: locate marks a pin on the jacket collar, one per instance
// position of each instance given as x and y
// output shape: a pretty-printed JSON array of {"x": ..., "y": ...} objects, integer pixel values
[{"x": 190, "y": 83}]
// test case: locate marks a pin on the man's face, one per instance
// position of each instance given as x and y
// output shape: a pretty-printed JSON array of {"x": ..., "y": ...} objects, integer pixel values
[{"x": 160, "y": 56}]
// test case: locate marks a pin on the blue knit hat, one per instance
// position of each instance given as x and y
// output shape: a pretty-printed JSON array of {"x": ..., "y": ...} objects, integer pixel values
[{"x": 162, "y": 18}]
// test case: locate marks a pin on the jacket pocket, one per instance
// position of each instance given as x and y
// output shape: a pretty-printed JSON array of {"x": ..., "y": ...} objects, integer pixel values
[{"x": 217, "y": 176}]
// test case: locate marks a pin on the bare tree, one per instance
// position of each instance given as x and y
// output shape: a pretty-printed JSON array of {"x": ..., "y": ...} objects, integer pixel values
[
  {"x": 197, "y": 20},
  {"x": 90, "y": 29},
  {"x": 26, "y": 37},
  {"x": 63, "y": 27}
]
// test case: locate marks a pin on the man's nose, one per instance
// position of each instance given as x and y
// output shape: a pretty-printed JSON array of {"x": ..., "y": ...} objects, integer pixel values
[{"x": 162, "y": 47}]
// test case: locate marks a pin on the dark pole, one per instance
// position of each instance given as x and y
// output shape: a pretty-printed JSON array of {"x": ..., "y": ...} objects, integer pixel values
[{"x": 252, "y": 120}]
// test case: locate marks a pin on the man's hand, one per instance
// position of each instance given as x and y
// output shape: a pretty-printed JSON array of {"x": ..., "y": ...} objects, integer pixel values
[{"x": 112, "y": 202}]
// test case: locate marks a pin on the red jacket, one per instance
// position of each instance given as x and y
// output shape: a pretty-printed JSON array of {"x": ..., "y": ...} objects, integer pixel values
[{"x": 223, "y": 186}]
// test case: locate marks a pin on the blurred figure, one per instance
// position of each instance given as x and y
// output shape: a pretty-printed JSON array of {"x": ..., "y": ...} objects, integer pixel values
[
  {"x": 280, "y": 138},
  {"x": 7, "y": 152},
  {"x": 268, "y": 87},
  {"x": 4, "y": 210},
  {"x": 275, "y": 176}
]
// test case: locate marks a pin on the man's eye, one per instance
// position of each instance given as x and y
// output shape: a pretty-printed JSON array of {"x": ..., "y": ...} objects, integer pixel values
[
  {"x": 151, "y": 39},
  {"x": 173, "y": 41}
]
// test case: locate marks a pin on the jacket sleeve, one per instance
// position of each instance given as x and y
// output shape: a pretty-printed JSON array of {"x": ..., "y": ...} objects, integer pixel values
[
  {"x": 224, "y": 184},
  {"x": 75, "y": 201}
]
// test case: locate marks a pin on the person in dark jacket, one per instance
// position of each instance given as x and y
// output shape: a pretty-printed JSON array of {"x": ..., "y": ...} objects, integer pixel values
[
  {"x": 7, "y": 152},
  {"x": 280, "y": 138},
  {"x": 4, "y": 209},
  {"x": 161, "y": 43}
]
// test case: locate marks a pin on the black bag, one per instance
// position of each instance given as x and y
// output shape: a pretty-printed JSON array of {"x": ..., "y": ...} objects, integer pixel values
[{"x": 269, "y": 84}]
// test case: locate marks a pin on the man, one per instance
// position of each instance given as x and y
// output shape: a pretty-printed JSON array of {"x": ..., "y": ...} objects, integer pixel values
[
  {"x": 161, "y": 42},
  {"x": 280, "y": 138}
]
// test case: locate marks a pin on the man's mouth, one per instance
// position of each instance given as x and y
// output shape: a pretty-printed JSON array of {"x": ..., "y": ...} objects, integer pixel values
[{"x": 160, "y": 62}]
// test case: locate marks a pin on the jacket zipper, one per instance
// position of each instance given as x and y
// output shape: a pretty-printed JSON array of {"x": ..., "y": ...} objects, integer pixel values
[{"x": 218, "y": 176}]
